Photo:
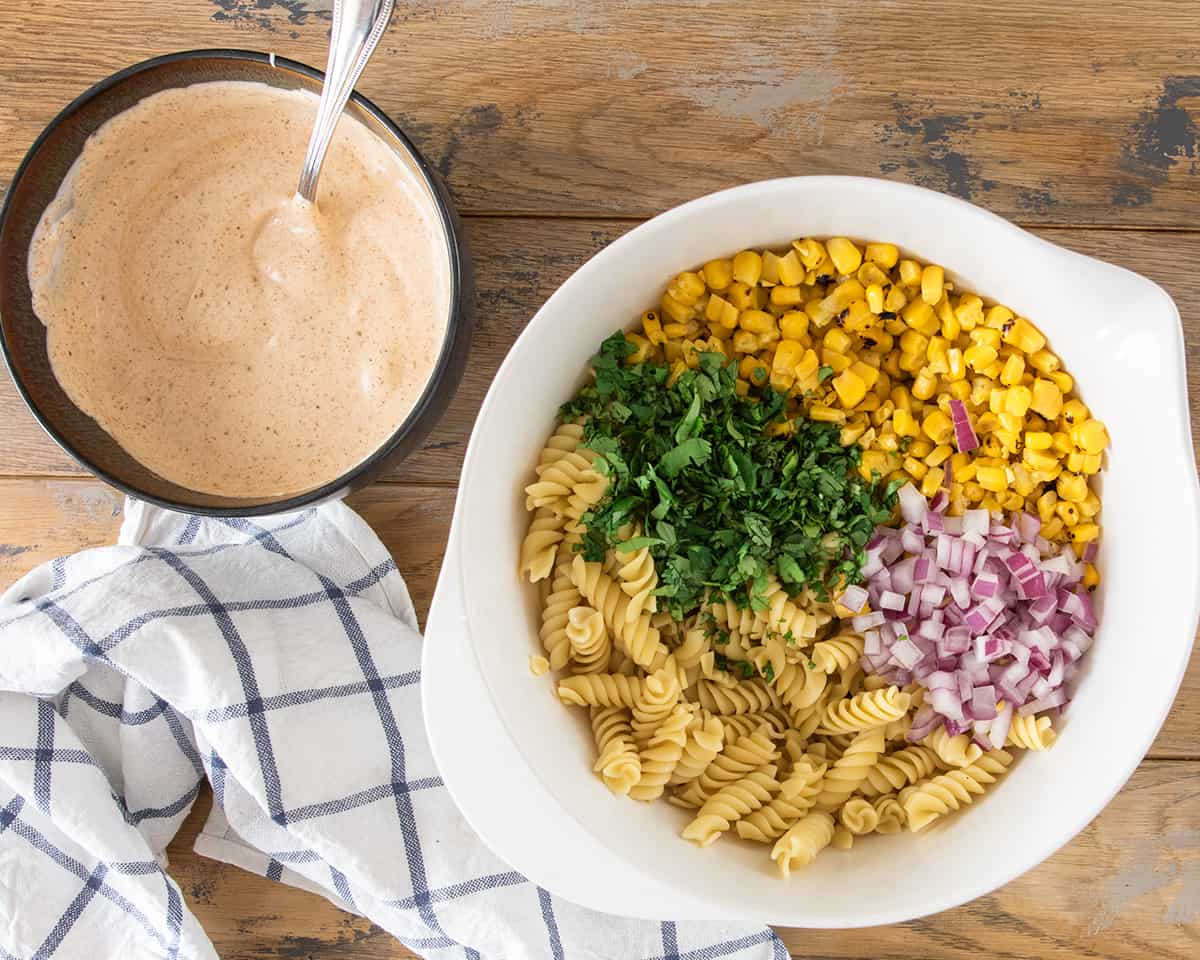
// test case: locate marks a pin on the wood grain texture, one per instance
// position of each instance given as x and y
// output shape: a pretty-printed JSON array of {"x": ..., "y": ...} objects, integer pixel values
[
  {"x": 520, "y": 262},
  {"x": 1040, "y": 111}
]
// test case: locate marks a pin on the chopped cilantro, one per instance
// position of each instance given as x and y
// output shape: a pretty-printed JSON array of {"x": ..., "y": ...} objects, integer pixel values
[
  {"x": 769, "y": 673},
  {"x": 722, "y": 504},
  {"x": 746, "y": 669},
  {"x": 824, "y": 373}
]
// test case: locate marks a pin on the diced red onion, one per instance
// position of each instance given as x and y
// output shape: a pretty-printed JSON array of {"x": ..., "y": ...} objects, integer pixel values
[
  {"x": 1054, "y": 699},
  {"x": 964, "y": 435}
]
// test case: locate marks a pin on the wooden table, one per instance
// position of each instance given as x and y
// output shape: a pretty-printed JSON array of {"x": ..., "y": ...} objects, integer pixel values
[{"x": 558, "y": 126}]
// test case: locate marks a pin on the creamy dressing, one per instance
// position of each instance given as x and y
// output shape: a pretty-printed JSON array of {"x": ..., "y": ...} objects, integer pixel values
[{"x": 230, "y": 336}]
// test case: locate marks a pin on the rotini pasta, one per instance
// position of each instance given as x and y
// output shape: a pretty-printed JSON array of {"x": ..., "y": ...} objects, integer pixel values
[
  {"x": 936, "y": 797},
  {"x": 802, "y": 842},
  {"x": 1032, "y": 732},
  {"x": 562, "y": 597},
  {"x": 600, "y": 690},
  {"x": 653, "y": 703},
  {"x": 729, "y": 804},
  {"x": 638, "y": 580},
  {"x": 954, "y": 751},
  {"x": 797, "y": 795},
  {"x": 837, "y": 653},
  {"x": 891, "y": 814},
  {"x": 636, "y": 638},
  {"x": 872, "y": 708},
  {"x": 661, "y": 755},
  {"x": 897, "y": 770},
  {"x": 752, "y": 696},
  {"x": 590, "y": 647},
  {"x": 540, "y": 547},
  {"x": 734, "y": 762},
  {"x": 618, "y": 763},
  {"x": 850, "y": 769},
  {"x": 858, "y": 816},
  {"x": 705, "y": 739}
]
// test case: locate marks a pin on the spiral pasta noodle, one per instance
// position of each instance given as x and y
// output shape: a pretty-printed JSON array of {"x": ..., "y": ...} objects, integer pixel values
[
  {"x": 638, "y": 579},
  {"x": 590, "y": 647},
  {"x": 705, "y": 739},
  {"x": 859, "y": 816},
  {"x": 600, "y": 690},
  {"x": 738, "y": 725},
  {"x": 1032, "y": 732},
  {"x": 539, "y": 549},
  {"x": 802, "y": 842},
  {"x": 954, "y": 751},
  {"x": 734, "y": 762},
  {"x": 661, "y": 755},
  {"x": 797, "y": 795},
  {"x": 936, "y": 797},
  {"x": 838, "y": 653},
  {"x": 636, "y": 638},
  {"x": 891, "y": 814},
  {"x": 872, "y": 708},
  {"x": 895, "y": 771},
  {"x": 618, "y": 763},
  {"x": 567, "y": 438},
  {"x": 561, "y": 598},
  {"x": 751, "y": 696},
  {"x": 729, "y": 804},
  {"x": 653, "y": 703},
  {"x": 572, "y": 473},
  {"x": 850, "y": 769}
]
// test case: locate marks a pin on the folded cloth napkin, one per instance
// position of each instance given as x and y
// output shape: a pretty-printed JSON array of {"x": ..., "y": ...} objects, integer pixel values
[{"x": 280, "y": 659}]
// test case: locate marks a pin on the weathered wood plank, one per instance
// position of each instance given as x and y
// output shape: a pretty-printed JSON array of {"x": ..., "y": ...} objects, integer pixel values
[
  {"x": 520, "y": 262},
  {"x": 1045, "y": 112},
  {"x": 1127, "y": 888}
]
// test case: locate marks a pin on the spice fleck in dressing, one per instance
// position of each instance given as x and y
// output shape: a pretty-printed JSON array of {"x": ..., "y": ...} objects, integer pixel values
[{"x": 230, "y": 336}]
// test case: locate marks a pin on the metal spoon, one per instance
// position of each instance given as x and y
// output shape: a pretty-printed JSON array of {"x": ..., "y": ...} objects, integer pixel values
[{"x": 357, "y": 27}]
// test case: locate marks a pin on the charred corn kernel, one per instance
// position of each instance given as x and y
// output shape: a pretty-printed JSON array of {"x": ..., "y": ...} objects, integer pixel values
[
  {"x": 884, "y": 254},
  {"x": 938, "y": 427},
  {"x": 1017, "y": 400},
  {"x": 986, "y": 337},
  {"x": 752, "y": 369},
  {"x": 785, "y": 296},
  {"x": 1043, "y": 361},
  {"x": 936, "y": 352},
  {"x": 837, "y": 340},
  {"x": 745, "y": 342},
  {"x": 914, "y": 344},
  {"x": 1074, "y": 411},
  {"x": 870, "y": 402},
  {"x": 905, "y": 424},
  {"x": 794, "y": 325},
  {"x": 1072, "y": 487},
  {"x": 1061, "y": 443},
  {"x": 675, "y": 311},
  {"x": 756, "y": 321},
  {"x": 1024, "y": 336},
  {"x": 850, "y": 388},
  {"x": 910, "y": 273},
  {"x": 1046, "y": 504},
  {"x": 677, "y": 369},
  {"x": 843, "y": 295},
  {"x": 1090, "y": 506},
  {"x": 844, "y": 254},
  {"x": 1063, "y": 380},
  {"x": 1038, "y": 460},
  {"x": 956, "y": 366},
  {"x": 643, "y": 348},
  {"x": 1012, "y": 501},
  {"x": 1046, "y": 399},
  {"x": 958, "y": 390},
  {"x": 874, "y": 462},
  {"x": 1022, "y": 482},
  {"x": 894, "y": 300},
  {"x": 925, "y": 385},
  {"x": 1067, "y": 512},
  {"x": 874, "y": 297},
  {"x": 741, "y": 388},
  {"x": 811, "y": 252},
  {"x": 995, "y": 405},
  {"x": 1038, "y": 440},
  {"x": 1092, "y": 463},
  {"x": 901, "y": 398},
  {"x": 788, "y": 355},
  {"x": 1052, "y": 529},
  {"x": 914, "y": 468},
  {"x": 673, "y": 350},
  {"x": 858, "y": 317},
  {"x": 652, "y": 327},
  {"x": 824, "y": 414},
  {"x": 675, "y": 330},
  {"x": 1091, "y": 576},
  {"x": 870, "y": 275},
  {"x": 1085, "y": 533},
  {"x": 808, "y": 366},
  {"x": 920, "y": 448},
  {"x": 996, "y": 317},
  {"x": 1014, "y": 370},
  {"x": 851, "y": 432},
  {"x": 1075, "y": 461},
  {"x": 865, "y": 372},
  {"x": 1090, "y": 436},
  {"x": 933, "y": 278},
  {"x": 973, "y": 491},
  {"x": 979, "y": 356},
  {"x": 939, "y": 454},
  {"x": 992, "y": 447},
  {"x": 717, "y": 274},
  {"x": 789, "y": 269},
  {"x": 835, "y": 360},
  {"x": 747, "y": 267},
  {"x": 721, "y": 312},
  {"x": 994, "y": 479},
  {"x": 932, "y": 482},
  {"x": 969, "y": 311},
  {"x": 889, "y": 442},
  {"x": 741, "y": 295},
  {"x": 920, "y": 317},
  {"x": 686, "y": 288},
  {"x": 770, "y": 269}
]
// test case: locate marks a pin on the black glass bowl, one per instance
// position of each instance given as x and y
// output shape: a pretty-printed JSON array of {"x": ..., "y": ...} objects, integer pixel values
[{"x": 23, "y": 337}]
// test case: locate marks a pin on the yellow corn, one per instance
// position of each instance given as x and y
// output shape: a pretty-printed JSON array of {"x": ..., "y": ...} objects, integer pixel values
[
  {"x": 910, "y": 273},
  {"x": 1014, "y": 369},
  {"x": 932, "y": 279},
  {"x": 717, "y": 274},
  {"x": 1091, "y": 576},
  {"x": 844, "y": 254},
  {"x": 824, "y": 414},
  {"x": 1038, "y": 440},
  {"x": 1090, "y": 436},
  {"x": 1017, "y": 400},
  {"x": 811, "y": 252},
  {"x": 837, "y": 340},
  {"x": 850, "y": 388},
  {"x": 1046, "y": 399},
  {"x": 1063, "y": 380},
  {"x": 790, "y": 269},
  {"x": 932, "y": 483},
  {"x": 1024, "y": 336},
  {"x": 1072, "y": 487},
  {"x": 884, "y": 254},
  {"x": 747, "y": 267},
  {"x": 1043, "y": 361},
  {"x": 794, "y": 325}
]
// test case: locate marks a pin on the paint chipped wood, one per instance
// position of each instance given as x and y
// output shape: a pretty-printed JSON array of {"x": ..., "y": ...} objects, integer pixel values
[{"x": 583, "y": 117}]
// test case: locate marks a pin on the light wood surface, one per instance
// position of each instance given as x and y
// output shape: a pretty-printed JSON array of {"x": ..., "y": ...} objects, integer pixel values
[{"x": 560, "y": 124}]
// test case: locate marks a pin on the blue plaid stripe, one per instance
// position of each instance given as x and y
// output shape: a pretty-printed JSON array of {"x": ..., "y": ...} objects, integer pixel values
[
  {"x": 340, "y": 884},
  {"x": 45, "y": 750},
  {"x": 299, "y": 697},
  {"x": 717, "y": 951},
  {"x": 547, "y": 905},
  {"x": 134, "y": 817},
  {"x": 670, "y": 940},
  {"x": 174, "y": 919},
  {"x": 73, "y": 912},
  {"x": 53, "y": 756},
  {"x": 274, "y": 870},
  {"x": 457, "y": 891}
]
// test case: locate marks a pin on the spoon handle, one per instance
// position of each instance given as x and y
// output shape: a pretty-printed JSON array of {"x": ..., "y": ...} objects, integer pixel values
[{"x": 357, "y": 27}]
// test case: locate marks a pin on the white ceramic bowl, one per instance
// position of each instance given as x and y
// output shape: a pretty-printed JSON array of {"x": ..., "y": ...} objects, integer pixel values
[{"x": 518, "y": 762}]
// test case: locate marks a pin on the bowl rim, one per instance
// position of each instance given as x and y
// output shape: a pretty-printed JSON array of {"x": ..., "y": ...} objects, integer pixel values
[
  {"x": 1176, "y": 371},
  {"x": 456, "y": 324}
]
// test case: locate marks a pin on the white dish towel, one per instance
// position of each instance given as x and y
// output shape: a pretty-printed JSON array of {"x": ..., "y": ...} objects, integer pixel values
[{"x": 280, "y": 659}]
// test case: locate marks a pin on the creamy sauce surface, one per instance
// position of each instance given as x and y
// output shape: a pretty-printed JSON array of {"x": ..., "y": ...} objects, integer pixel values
[{"x": 230, "y": 336}]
